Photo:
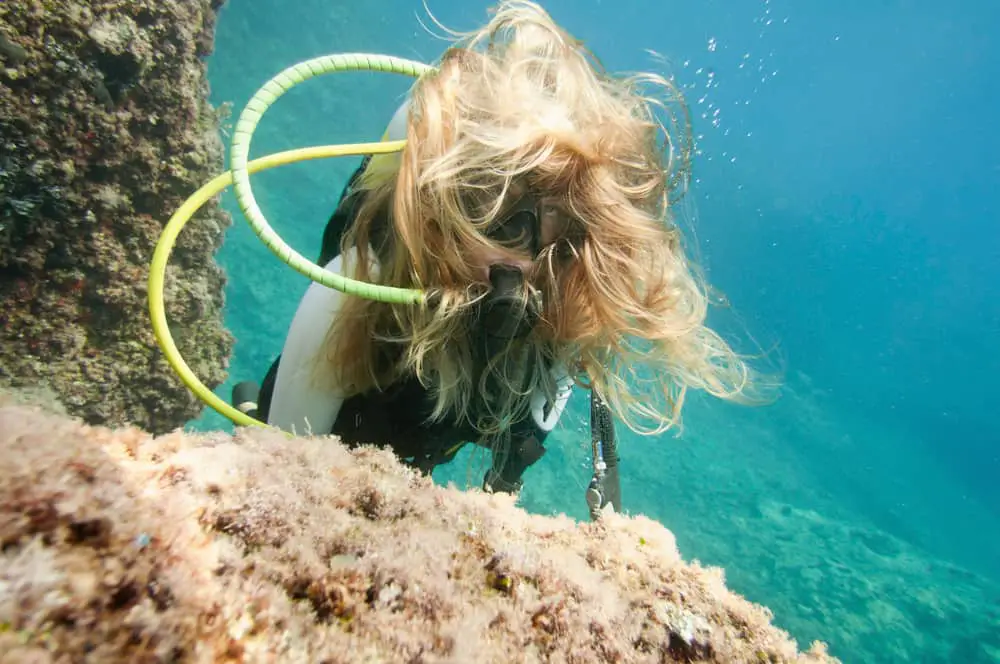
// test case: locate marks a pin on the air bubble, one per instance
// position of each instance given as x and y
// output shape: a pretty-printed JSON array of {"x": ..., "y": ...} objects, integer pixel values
[{"x": 752, "y": 64}]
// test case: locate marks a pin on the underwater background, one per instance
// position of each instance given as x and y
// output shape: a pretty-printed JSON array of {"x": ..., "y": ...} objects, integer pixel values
[{"x": 844, "y": 206}]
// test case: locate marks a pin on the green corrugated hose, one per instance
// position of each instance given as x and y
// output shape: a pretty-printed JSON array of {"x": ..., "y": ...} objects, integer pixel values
[{"x": 239, "y": 177}]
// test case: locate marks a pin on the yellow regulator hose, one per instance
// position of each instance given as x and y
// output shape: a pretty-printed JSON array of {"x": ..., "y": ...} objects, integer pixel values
[{"x": 239, "y": 176}]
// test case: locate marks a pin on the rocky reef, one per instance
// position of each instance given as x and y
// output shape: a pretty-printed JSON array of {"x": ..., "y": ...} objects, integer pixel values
[
  {"x": 116, "y": 545},
  {"x": 105, "y": 129}
]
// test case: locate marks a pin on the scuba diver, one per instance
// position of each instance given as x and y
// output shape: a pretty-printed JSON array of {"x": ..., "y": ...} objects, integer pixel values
[{"x": 534, "y": 197}]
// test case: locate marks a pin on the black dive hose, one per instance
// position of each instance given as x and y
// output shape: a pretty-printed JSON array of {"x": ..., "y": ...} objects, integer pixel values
[{"x": 505, "y": 315}]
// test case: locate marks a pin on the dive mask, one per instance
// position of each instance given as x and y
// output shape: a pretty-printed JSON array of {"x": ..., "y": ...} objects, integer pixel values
[{"x": 511, "y": 308}]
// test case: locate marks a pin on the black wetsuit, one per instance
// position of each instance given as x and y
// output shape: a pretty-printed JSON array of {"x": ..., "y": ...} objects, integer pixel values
[{"x": 398, "y": 417}]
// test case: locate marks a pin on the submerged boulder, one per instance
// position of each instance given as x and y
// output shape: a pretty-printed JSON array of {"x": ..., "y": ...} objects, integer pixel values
[
  {"x": 105, "y": 129},
  {"x": 120, "y": 546}
]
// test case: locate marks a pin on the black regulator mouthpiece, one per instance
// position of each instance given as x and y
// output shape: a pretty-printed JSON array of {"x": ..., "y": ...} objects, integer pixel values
[{"x": 510, "y": 309}]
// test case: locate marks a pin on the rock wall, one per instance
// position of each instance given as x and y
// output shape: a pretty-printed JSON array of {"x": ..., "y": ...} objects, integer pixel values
[
  {"x": 117, "y": 546},
  {"x": 105, "y": 129}
]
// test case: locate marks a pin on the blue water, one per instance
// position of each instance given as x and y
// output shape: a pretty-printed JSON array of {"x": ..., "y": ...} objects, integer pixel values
[{"x": 844, "y": 204}]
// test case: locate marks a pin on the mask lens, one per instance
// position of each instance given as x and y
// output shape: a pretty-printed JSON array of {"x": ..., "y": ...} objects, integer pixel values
[{"x": 519, "y": 231}]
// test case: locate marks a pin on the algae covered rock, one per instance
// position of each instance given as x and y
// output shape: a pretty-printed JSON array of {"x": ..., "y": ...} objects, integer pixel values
[
  {"x": 119, "y": 546},
  {"x": 105, "y": 129}
]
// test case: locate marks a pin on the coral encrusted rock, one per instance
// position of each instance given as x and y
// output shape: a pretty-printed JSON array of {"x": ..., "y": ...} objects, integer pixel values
[
  {"x": 105, "y": 129},
  {"x": 119, "y": 546}
]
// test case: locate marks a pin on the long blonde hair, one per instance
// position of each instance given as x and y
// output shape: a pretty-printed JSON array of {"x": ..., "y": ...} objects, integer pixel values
[{"x": 521, "y": 101}]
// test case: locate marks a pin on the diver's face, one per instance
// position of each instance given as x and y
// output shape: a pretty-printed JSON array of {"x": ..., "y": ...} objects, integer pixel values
[{"x": 519, "y": 249}]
